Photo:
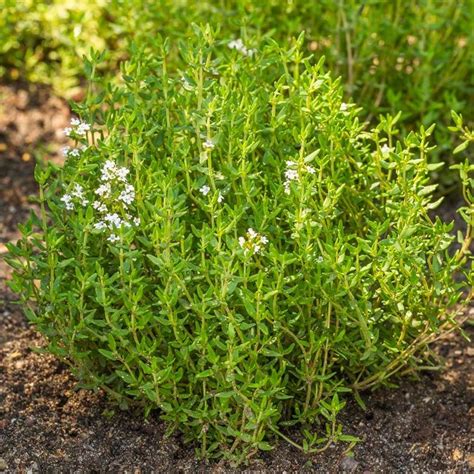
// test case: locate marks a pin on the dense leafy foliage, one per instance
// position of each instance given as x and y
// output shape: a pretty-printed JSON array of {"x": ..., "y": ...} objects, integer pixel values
[
  {"x": 230, "y": 244},
  {"x": 393, "y": 56}
]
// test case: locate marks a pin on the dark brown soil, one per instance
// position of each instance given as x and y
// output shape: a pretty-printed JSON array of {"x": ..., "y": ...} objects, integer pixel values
[
  {"x": 48, "y": 425},
  {"x": 31, "y": 124}
]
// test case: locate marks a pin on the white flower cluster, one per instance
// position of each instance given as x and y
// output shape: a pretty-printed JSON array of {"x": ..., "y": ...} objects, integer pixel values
[
  {"x": 113, "y": 221},
  {"x": 293, "y": 174},
  {"x": 111, "y": 171},
  {"x": 112, "y": 178},
  {"x": 113, "y": 174},
  {"x": 239, "y": 45},
  {"x": 253, "y": 242},
  {"x": 103, "y": 190},
  {"x": 69, "y": 152},
  {"x": 77, "y": 127},
  {"x": 127, "y": 196},
  {"x": 77, "y": 194}
]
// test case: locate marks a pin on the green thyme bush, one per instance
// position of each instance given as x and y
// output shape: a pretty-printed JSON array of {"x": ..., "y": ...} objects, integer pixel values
[
  {"x": 393, "y": 56},
  {"x": 229, "y": 244}
]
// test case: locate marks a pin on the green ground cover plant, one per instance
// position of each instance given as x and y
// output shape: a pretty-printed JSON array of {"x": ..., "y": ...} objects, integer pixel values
[
  {"x": 230, "y": 244},
  {"x": 393, "y": 56}
]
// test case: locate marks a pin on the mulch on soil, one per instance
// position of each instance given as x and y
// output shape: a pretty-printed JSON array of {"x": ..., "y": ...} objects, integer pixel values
[{"x": 47, "y": 424}]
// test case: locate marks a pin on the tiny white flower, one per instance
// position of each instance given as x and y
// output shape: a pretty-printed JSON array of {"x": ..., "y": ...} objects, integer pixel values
[
  {"x": 386, "y": 149},
  {"x": 109, "y": 170},
  {"x": 237, "y": 44},
  {"x": 67, "y": 200},
  {"x": 254, "y": 242},
  {"x": 68, "y": 152},
  {"x": 208, "y": 144},
  {"x": 136, "y": 221},
  {"x": 113, "y": 219},
  {"x": 101, "y": 225},
  {"x": 82, "y": 129},
  {"x": 310, "y": 169},
  {"x": 127, "y": 196},
  {"x": 291, "y": 175},
  {"x": 343, "y": 107},
  {"x": 220, "y": 198},
  {"x": 205, "y": 190},
  {"x": 113, "y": 238},
  {"x": 78, "y": 191},
  {"x": 99, "y": 206}
]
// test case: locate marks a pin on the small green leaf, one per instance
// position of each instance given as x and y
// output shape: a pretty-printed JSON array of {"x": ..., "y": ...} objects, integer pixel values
[
  {"x": 461, "y": 147},
  {"x": 204, "y": 374},
  {"x": 110, "y": 355}
]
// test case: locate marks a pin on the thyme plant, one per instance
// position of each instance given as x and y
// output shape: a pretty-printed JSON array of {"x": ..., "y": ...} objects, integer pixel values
[{"x": 230, "y": 245}]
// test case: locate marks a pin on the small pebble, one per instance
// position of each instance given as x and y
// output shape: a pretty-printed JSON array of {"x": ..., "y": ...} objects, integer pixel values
[
  {"x": 33, "y": 468},
  {"x": 349, "y": 464},
  {"x": 30, "y": 421}
]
